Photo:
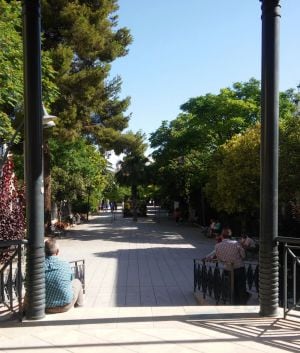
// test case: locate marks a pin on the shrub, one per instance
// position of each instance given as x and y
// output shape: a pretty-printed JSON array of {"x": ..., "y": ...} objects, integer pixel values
[{"x": 12, "y": 207}]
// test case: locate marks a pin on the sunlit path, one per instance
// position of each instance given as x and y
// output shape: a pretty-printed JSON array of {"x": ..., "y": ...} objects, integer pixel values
[{"x": 142, "y": 263}]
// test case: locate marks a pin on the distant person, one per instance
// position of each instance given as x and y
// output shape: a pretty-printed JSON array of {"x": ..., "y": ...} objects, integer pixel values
[
  {"x": 211, "y": 228},
  {"x": 214, "y": 228},
  {"x": 177, "y": 215},
  {"x": 62, "y": 290},
  {"x": 77, "y": 218},
  {"x": 217, "y": 229}
]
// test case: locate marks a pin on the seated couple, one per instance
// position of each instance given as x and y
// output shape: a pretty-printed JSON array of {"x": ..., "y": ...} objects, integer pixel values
[{"x": 232, "y": 254}]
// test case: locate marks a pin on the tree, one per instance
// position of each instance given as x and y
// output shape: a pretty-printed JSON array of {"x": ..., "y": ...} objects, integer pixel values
[
  {"x": 11, "y": 75},
  {"x": 184, "y": 147},
  {"x": 83, "y": 40},
  {"x": 132, "y": 170},
  {"x": 79, "y": 172},
  {"x": 234, "y": 175},
  {"x": 192, "y": 150}
]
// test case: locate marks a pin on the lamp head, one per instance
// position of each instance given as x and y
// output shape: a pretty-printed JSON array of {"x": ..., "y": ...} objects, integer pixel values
[{"x": 48, "y": 119}]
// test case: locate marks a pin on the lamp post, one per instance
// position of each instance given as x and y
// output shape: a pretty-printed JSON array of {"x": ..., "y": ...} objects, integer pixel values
[
  {"x": 47, "y": 122},
  {"x": 268, "y": 255},
  {"x": 35, "y": 271}
]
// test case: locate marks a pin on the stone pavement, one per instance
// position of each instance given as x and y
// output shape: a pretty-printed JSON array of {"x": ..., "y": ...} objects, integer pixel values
[
  {"x": 139, "y": 299},
  {"x": 136, "y": 264}
]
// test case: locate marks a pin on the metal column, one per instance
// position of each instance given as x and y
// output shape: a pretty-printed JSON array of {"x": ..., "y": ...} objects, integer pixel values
[
  {"x": 268, "y": 256},
  {"x": 35, "y": 271}
]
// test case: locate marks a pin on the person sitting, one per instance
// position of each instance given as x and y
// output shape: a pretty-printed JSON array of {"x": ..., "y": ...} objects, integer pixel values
[
  {"x": 250, "y": 246},
  {"x": 232, "y": 254},
  {"x": 62, "y": 290},
  {"x": 247, "y": 242}
]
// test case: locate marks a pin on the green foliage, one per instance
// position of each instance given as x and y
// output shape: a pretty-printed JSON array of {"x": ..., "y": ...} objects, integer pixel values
[
  {"x": 11, "y": 75},
  {"x": 234, "y": 175},
  {"x": 184, "y": 147},
  {"x": 79, "y": 171},
  {"x": 214, "y": 144},
  {"x": 132, "y": 170},
  {"x": 83, "y": 39},
  {"x": 11, "y": 70},
  {"x": 114, "y": 191},
  {"x": 289, "y": 159}
]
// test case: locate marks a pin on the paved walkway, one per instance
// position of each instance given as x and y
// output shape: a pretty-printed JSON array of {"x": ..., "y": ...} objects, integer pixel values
[
  {"x": 139, "y": 299},
  {"x": 136, "y": 264}
]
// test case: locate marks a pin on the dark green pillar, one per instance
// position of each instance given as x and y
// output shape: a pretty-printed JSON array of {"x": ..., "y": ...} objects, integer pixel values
[
  {"x": 35, "y": 272},
  {"x": 268, "y": 256}
]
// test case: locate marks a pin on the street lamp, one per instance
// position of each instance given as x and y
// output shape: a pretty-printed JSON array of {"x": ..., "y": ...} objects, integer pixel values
[{"x": 47, "y": 122}]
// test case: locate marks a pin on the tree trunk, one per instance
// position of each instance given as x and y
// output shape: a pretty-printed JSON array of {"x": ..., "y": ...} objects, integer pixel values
[{"x": 134, "y": 201}]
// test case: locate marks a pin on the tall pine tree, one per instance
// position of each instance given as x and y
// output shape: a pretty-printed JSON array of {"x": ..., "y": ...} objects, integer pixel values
[{"x": 83, "y": 39}]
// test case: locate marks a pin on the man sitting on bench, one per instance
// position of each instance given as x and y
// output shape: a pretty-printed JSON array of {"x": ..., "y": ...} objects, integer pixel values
[{"x": 62, "y": 290}]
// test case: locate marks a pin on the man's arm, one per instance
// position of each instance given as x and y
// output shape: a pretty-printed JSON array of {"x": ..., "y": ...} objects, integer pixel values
[{"x": 241, "y": 251}]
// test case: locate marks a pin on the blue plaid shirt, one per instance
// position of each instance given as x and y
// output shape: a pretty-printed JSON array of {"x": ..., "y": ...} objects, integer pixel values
[{"x": 58, "y": 277}]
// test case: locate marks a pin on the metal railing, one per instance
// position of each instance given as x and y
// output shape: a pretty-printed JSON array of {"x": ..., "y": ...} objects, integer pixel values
[
  {"x": 78, "y": 268},
  {"x": 289, "y": 269},
  {"x": 211, "y": 278},
  {"x": 11, "y": 276}
]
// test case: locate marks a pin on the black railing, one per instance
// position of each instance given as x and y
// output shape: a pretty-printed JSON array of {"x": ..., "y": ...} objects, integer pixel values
[
  {"x": 78, "y": 268},
  {"x": 213, "y": 281},
  {"x": 11, "y": 275},
  {"x": 289, "y": 269}
]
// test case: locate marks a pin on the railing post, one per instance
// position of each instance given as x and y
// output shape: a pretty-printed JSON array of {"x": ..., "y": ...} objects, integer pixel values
[
  {"x": 232, "y": 285},
  {"x": 195, "y": 280},
  {"x": 10, "y": 287},
  {"x": 268, "y": 254},
  {"x": 294, "y": 281},
  {"x": 19, "y": 282},
  {"x": 285, "y": 253}
]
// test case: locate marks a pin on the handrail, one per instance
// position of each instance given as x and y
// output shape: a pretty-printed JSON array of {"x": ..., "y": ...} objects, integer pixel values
[
  {"x": 210, "y": 278},
  {"x": 5, "y": 243},
  {"x": 11, "y": 286},
  {"x": 288, "y": 240},
  {"x": 78, "y": 268},
  {"x": 11, "y": 279},
  {"x": 290, "y": 244}
]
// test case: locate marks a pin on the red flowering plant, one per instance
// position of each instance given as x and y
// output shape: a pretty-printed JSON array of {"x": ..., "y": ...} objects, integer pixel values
[{"x": 12, "y": 209}]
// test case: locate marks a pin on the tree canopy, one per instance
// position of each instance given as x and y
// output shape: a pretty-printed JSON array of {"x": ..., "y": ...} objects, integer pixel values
[
  {"x": 213, "y": 146},
  {"x": 11, "y": 70},
  {"x": 83, "y": 39}
]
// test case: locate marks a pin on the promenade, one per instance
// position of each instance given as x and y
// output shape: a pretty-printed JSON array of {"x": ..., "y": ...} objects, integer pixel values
[{"x": 139, "y": 298}]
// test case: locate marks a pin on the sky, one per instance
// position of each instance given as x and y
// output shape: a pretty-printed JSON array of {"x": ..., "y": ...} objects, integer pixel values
[{"x": 184, "y": 49}]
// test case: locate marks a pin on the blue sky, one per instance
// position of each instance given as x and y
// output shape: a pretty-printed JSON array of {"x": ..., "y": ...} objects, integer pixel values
[{"x": 183, "y": 49}]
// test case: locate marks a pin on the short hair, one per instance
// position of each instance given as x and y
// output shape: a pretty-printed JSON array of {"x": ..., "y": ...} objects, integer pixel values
[{"x": 51, "y": 247}]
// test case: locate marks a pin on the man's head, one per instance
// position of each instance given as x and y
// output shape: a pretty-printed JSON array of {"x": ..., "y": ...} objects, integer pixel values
[
  {"x": 51, "y": 247},
  {"x": 226, "y": 233}
]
